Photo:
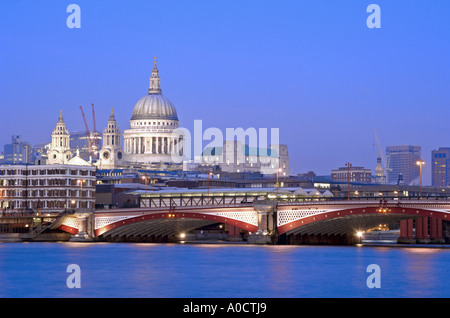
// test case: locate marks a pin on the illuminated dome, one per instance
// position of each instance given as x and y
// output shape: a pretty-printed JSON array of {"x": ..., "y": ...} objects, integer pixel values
[
  {"x": 151, "y": 141},
  {"x": 154, "y": 106}
]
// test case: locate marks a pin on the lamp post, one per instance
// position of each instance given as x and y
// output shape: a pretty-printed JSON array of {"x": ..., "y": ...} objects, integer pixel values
[
  {"x": 348, "y": 165},
  {"x": 145, "y": 178},
  {"x": 81, "y": 191},
  {"x": 278, "y": 185},
  {"x": 420, "y": 163},
  {"x": 209, "y": 174}
]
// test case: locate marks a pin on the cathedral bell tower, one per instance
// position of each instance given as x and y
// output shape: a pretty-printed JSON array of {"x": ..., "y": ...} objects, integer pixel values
[
  {"x": 59, "y": 152},
  {"x": 111, "y": 155}
]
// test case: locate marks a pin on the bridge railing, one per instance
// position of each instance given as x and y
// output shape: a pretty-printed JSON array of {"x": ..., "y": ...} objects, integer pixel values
[{"x": 239, "y": 201}]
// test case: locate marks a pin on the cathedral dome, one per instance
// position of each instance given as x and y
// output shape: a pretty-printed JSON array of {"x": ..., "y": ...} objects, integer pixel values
[{"x": 154, "y": 106}]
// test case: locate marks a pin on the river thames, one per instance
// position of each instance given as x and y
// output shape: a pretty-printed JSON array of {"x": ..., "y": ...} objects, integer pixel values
[{"x": 31, "y": 270}]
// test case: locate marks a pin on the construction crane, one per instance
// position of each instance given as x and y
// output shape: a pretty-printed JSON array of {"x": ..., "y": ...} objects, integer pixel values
[
  {"x": 92, "y": 137},
  {"x": 95, "y": 137}
]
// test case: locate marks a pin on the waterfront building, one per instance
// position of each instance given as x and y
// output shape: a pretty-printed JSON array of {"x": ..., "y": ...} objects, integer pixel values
[
  {"x": 440, "y": 169},
  {"x": 150, "y": 140},
  {"x": 401, "y": 164},
  {"x": 17, "y": 151},
  {"x": 47, "y": 188},
  {"x": 351, "y": 174}
]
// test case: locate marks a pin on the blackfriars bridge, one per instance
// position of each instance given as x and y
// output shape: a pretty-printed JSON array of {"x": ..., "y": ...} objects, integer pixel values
[{"x": 264, "y": 221}]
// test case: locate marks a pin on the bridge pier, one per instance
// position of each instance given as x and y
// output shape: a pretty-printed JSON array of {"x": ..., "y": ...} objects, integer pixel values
[
  {"x": 85, "y": 226},
  {"x": 266, "y": 233},
  {"x": 436, "y": 236},
  {"x": 422, "y": 230},
  {"x": 406, "y": 232},
  {"x": 427, "y": 230}
]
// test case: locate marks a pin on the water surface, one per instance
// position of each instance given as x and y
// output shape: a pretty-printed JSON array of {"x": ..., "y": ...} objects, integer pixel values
[{"x": 220, "y": 270}]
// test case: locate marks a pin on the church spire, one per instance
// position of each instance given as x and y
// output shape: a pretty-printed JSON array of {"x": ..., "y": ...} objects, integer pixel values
[
  {"x": 155, "y": 81},
  {"x": 112, "y": 117},
  {"x": 60, "y": 119}
]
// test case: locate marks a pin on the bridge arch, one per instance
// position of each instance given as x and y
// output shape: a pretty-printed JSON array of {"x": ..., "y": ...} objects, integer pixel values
[
  {"x": 348, "y": 221},
  {"x": 170, "y": 222}
]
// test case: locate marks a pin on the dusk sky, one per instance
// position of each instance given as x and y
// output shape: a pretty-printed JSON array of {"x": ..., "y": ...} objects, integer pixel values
[{"x": 313, "y": 69}]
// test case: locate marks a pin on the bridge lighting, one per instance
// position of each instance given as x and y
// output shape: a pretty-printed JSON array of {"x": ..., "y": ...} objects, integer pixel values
[
  {"x": 383, "y": 210},
  {"x": 182, "y": 235},
  {"x": 420, "y": 163},
  {"x": 359, "y": 234}
]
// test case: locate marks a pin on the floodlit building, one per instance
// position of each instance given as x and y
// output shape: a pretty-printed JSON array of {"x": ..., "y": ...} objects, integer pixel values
[
  {"x": 150, "y": 139},
  {"x": 47, "y": 188}
]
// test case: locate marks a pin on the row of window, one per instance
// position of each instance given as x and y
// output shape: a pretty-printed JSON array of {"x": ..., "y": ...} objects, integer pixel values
[
  {"x": 44, "y": 204},
  {"x": 44, "y": 172},
  {"x": 44, "y": 182},
  {"x": 45, "y": 193}
]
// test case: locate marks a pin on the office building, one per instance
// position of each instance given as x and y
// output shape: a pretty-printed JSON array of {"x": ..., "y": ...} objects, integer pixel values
[
  {"x": 17, "y": 151},
  {"x": 440, "y": 176},
  {"x": 401, "y": 164},
  {"x": 352, "y": 174}
]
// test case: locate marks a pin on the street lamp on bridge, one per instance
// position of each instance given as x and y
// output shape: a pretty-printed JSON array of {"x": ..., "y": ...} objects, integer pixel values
[
  {"x": 348, "y": 165},
  {"x": 278, "y": 172},
  {"x": 420, "y": 163},
  {"x": 210, "y": 174},
  {"x": 145, "y": 178}
]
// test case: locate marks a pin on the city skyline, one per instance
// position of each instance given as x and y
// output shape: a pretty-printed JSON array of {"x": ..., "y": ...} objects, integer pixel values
[{"x": 310, "y": 71}]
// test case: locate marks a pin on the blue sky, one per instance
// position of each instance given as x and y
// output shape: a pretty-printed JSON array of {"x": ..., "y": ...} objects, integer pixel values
[{"x": 311, "y": 68}]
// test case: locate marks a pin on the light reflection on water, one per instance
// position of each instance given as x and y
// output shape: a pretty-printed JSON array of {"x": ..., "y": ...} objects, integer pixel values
[{"x": 220, "y": 270}]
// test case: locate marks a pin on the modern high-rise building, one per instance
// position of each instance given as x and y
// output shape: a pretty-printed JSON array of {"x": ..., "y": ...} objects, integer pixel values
[
  {"x": 440, "y": 169},
  {"x": 17, "y": 151},
  {"x": 401, "y": 164}
]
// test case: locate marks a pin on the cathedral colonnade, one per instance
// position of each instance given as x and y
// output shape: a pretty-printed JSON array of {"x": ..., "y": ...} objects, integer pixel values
[{"x": 165, "y": 145}]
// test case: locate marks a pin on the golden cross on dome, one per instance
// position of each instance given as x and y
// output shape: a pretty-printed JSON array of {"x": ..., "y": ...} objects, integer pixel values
[{"x": 155, "y": 60}]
